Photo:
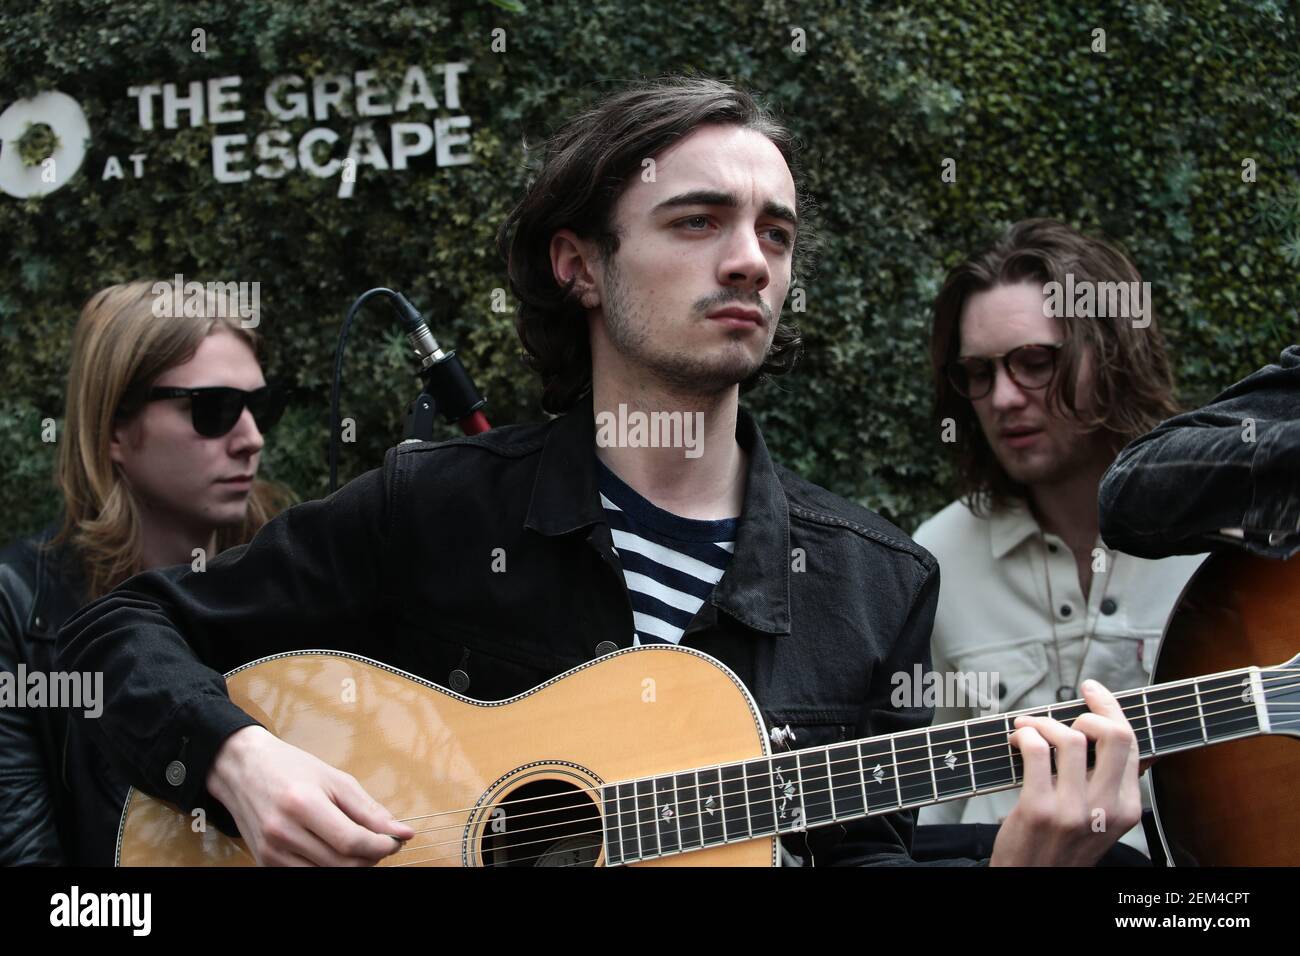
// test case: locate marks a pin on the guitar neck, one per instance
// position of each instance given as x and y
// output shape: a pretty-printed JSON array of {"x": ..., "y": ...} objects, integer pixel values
[{"x": 804, "y": 789}]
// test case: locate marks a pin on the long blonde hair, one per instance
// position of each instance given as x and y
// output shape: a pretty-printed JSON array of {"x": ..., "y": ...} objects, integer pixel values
[{"x": 120, "y": 344}]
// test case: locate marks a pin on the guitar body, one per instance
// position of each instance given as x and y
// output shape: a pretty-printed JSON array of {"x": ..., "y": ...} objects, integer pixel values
[
  {"x": 502, "y": 783},
  {"x": 1236, "y": 804}
]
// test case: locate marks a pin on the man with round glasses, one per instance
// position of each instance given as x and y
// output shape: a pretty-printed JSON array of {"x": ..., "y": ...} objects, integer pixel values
[{"x": 1036, "y": 397}]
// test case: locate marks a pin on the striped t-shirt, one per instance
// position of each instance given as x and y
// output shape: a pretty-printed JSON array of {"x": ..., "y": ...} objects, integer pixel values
[{"x": 670, "y": 564}]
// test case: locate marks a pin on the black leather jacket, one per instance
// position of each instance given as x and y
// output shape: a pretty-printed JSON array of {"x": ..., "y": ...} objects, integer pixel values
[
  {"x": 1233, "y": 464},
  {"x": 822, "y": 603},
  {"x": 39, "y": 590}
]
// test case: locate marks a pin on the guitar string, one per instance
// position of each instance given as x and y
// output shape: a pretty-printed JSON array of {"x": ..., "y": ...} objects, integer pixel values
[
  {"x": 832, "y": 786},
  {"x": 997, "y": 735},
  {"x": 1001, "y": 738}
]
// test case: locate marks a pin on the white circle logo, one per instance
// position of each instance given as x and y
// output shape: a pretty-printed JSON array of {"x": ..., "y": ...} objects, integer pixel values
[{"x": 63, "y": 115}]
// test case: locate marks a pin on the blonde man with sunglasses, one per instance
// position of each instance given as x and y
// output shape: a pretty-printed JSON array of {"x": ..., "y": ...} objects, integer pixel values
[{"x": 158, "y": 457}]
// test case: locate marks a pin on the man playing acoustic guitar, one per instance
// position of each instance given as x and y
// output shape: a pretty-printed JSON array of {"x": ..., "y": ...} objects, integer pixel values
[{"x": 651, "y": 256}]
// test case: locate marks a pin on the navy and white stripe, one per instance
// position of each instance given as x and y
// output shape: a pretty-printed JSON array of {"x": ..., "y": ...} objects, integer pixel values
[{"x": 671, "y": 564}]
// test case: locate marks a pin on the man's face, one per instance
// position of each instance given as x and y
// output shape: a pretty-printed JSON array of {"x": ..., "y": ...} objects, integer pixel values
[
  {"x": 713, "y": 230},
  {"x": 174, "y": 472},
  {"x": 1034, "y": 444}
]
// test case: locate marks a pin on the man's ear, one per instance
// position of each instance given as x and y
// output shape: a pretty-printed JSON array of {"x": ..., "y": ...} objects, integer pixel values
[{"x": 574, "y": 258}]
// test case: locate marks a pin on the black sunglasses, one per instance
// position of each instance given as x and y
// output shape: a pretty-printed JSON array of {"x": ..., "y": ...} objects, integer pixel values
[
  {"x": 216, "y": 410},
  {"x": 1030, "y": 366}
]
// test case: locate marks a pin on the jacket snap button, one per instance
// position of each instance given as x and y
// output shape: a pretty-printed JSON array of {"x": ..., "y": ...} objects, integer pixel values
[
  {"x": 605, "y": 647},
  {"x": 1066, "y": 610},
  {"x": 39, "y": 622},
  {"x": 458, "y": 680},
  {"x": 1109, "y": 606},
  {"x": 175, "y": 773}
]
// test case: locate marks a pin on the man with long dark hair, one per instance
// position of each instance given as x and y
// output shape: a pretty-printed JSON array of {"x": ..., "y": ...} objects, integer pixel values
[
  {"x": 651, "y": 257},
  {"x": 1047, "y": 358}
]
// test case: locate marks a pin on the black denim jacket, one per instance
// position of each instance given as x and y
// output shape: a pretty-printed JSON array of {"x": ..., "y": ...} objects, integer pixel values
[
  {"x": 398, "y": 566},
  {"x": 1173, "y": 489}
]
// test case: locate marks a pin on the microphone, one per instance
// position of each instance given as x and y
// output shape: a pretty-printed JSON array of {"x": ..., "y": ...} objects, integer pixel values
[{"x": 448, "y": 389}]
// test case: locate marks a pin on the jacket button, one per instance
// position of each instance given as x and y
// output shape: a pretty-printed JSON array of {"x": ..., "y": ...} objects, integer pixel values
[
  {"x": 605, "y": 647},
  {"x": 1109, "y": 606},
  {"x": 1066, "y": 610},
  {"x": 39, "y": 623},
  {"x": 458, "y": 681},
  {"x": 175, "y": 773}
]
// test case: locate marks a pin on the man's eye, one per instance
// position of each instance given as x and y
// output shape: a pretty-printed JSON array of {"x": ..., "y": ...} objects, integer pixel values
[
  {"x": 783, "y": 237},
  {"x": 703, "y": 219}
]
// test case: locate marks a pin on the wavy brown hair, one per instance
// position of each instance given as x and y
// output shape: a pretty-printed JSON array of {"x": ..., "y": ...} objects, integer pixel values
[
  {"x": 1133, "y": 381},
  {"x": 582, "y": 170},
  {"x": 121, "y": 346}
]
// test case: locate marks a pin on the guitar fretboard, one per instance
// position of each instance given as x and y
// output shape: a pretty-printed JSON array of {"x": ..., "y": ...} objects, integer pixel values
[{"x": 799, "y": 790}]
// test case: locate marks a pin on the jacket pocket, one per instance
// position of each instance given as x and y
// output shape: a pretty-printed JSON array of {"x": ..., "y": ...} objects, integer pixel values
[{"x": 1010, "y": 674}]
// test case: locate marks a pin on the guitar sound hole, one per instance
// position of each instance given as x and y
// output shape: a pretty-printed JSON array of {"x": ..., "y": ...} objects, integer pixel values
[{"x": 543, "y": 823}]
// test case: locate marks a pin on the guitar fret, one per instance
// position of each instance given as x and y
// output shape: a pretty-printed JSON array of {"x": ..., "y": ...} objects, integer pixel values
[
  {"x": 713, "y": 826},
  {"x": 735, "y": 802},
  {"x": 784, "y": 766},
  {"x": 1140, "y": 720},
  {"x": 847, "y": 779},
  {"x": 636, "y": 822},
  {"x": 929, "y": 754},
  {"x": 1175, "y": 724},
  {"x": 862, "y": 775},
  {"x": 915, "y": 772},
  {"x": 830, "y": 784},
  {"x": 990, "y": 766},
  {"x": 970, "y": 756},
  {"x": 893, "y": 756},
  {"x": 946, "y": 770},
  {"x": 647, "y": 818},
  {"x": 879, "y": 763},
  {"x": 1012, "y": 754},
  {"x": 688, "y": 811},
  {"x": 612, "y": 847},
  {"x": 761, "y": 797},
  {"x": 1200, "y": 711},
  {"x": 815, "y": 787},
  {"x": 629, "y": 847},
  {"x": 665, "y": 809},
  {"x": 1228, "y": 707}
]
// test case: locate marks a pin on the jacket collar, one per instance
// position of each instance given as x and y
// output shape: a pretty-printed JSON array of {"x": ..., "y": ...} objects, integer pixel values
[
  {"x": 756, "y": 587},
  {"x": 1009, "y": 527}
]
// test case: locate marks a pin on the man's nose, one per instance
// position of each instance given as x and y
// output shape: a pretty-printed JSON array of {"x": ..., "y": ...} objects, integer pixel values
[
  {"x": 745, "y": 262},
  {"x": 1006, "y": 393},
  {"x": 246, "y": 438}
]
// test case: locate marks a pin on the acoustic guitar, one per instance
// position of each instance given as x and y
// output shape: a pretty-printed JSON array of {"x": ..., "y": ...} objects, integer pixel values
[{"x": 658, "y": 755}]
